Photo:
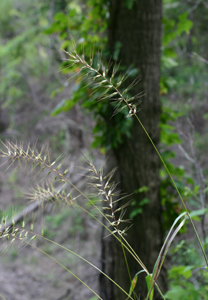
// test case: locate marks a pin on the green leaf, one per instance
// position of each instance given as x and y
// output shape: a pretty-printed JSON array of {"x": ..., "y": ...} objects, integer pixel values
[
  {"x": 135, "y": 212},
  {"x": 133, "y": 284},
  {"x": 149, "y": 282},
  {"x": 53, "y": 29},
  {"x": 144, "y": 201},
  {"x": 196, "y": 189},
  {"x": 176, "y": 292},
  {"x": 65, "y": 44},
  {"x": 181, "y": 270},
  {"x": 64, "y": 105},
  {"x": 58, "y": 109},
  {"x": 117, "y": 49},
  {"x": 199, "y": 212},
  {"x": 55, "y": 92},
  {"x": 168, "y": 62},
  {"x": 141, "y": 190},
  {"x": 184, "y": 24},
  {"x": 60, "y": 17},
  {"x": 168, "y": 137},
  {"x": 129, "y": 3}
]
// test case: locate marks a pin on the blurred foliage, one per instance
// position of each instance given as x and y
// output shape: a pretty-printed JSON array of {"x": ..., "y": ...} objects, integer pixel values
[
  {"x": 187, "y": 276},
  {"x": 68, "y": 221},
  {"x": 174, "y": 28},
  {"x": 138, "y": 207},
  {"x": 169, "y": 197},
  {"x": 10, "y": 211},
  {"x": 28, "y": 65},
  {"x": 22, "y": 54},
  {"x": 84, "y": 23}
]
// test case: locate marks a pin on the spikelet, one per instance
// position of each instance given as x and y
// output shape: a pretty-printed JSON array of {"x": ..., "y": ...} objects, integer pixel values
[{"x": 99, "y": 79}]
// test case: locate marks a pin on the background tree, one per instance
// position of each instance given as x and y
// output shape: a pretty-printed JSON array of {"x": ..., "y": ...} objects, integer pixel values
[{"x": 136, "y": 25}]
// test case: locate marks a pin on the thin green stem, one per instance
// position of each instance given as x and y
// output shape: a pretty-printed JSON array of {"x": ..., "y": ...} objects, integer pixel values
[
  {"x": 127, "y": 266},
  {"x": 162, "y": 160},
  {"x": 160, "y": 292},
  {"x": 133, "y": 253},
  {"x": 202, "y": 248}
]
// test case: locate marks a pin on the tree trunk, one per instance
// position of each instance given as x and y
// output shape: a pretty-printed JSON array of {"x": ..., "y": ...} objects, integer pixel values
[{"x": 139, "y": 32}]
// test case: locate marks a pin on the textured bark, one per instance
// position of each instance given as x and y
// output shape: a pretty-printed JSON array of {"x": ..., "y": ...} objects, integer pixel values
[{"x": 139, "y": 31}]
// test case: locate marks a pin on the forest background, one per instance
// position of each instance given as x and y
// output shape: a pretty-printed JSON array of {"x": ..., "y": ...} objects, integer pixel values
[{"x": 39, "y": 105}]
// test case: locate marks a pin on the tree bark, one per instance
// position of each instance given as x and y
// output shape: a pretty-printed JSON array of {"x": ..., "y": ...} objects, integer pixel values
[{"x": 139, "y": 32}]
